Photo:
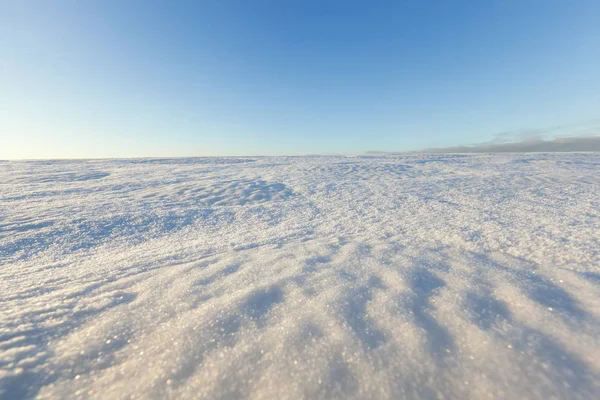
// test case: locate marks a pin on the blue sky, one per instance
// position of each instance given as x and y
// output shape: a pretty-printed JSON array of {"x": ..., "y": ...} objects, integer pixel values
[{"x": 172, "y": 78}]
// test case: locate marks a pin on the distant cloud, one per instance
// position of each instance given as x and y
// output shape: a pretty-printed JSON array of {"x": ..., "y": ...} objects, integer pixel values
[
  {"x": 566, "y": 144},
  {"x": 587, "y": 128},
  {"x": 582, "y": 136}
]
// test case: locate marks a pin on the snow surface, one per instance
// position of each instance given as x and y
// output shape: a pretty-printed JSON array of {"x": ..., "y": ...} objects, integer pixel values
[{"x": 416, "y": 276}]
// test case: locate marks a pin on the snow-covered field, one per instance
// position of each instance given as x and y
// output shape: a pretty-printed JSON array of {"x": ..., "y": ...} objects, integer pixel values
[{"x": 417, "y": 276}]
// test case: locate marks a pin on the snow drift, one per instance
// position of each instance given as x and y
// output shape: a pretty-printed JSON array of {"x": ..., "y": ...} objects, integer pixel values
[{"x": 418, "y": 276}]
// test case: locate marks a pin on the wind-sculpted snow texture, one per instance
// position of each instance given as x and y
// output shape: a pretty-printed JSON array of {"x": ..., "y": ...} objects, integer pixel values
[{"x": 384, "y": 277}]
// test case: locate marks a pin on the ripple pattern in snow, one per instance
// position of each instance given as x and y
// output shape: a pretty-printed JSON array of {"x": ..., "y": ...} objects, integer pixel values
[{"x": 372, "y": 277}]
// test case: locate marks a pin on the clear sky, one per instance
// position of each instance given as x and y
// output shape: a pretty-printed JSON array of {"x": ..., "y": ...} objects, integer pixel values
[{"x": 130, "y": 78}]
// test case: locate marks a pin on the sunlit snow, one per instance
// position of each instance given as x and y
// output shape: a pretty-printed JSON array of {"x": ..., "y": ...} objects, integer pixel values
[{"x": 383, "y": 277}]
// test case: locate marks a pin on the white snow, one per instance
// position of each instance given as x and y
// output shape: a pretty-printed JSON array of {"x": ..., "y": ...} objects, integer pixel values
[{"x": 416, "y": 276}]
